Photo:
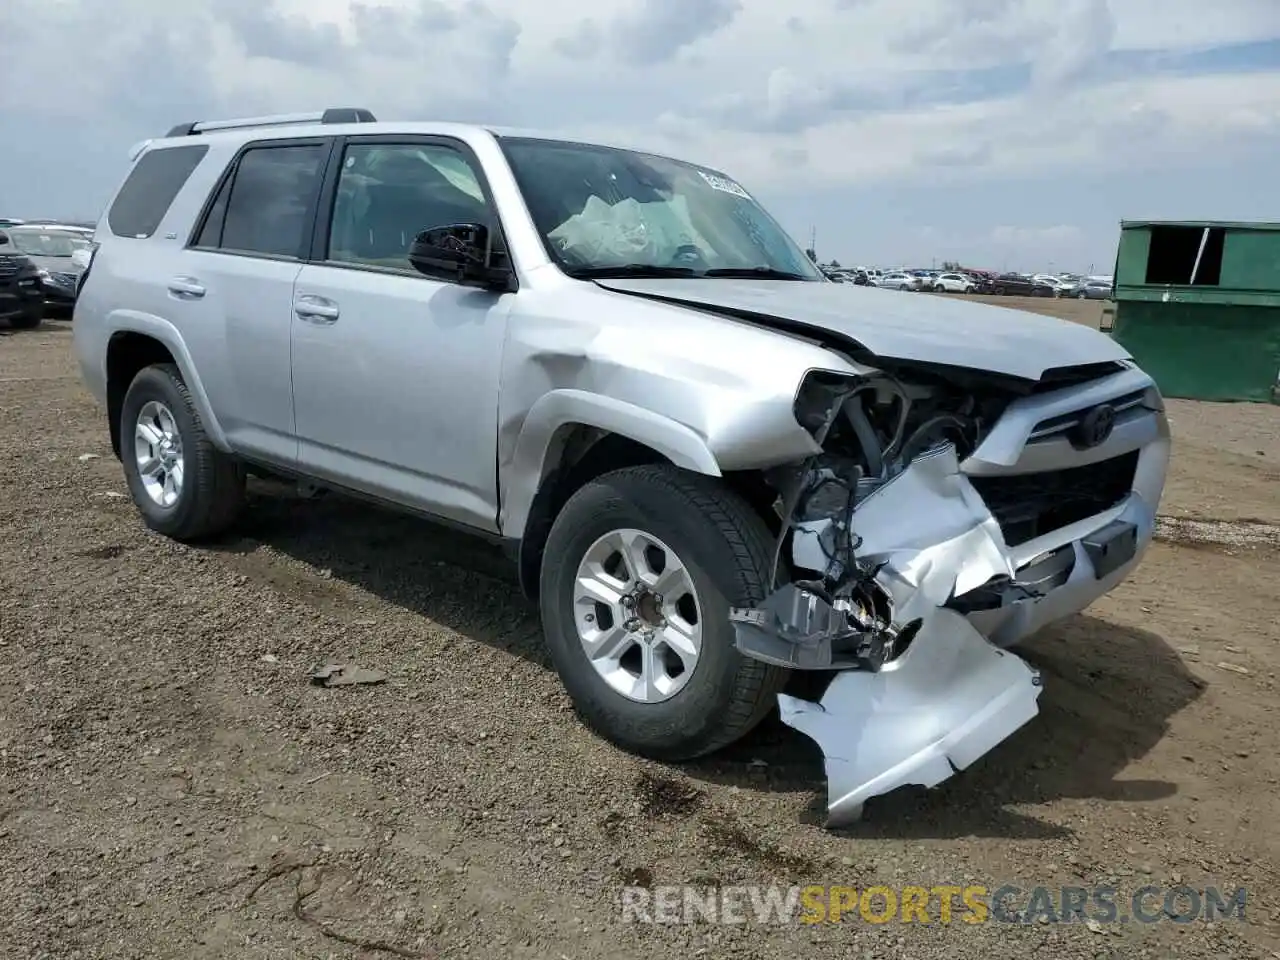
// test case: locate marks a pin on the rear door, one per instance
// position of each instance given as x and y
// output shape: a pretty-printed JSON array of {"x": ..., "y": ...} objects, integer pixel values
[{"x": 245, "y": 254}]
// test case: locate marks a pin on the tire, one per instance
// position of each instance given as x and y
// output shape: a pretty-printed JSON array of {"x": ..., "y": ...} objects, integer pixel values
[
  {"x": 1082, "y": 295},
  {"x": 211, "y": 496},
  {"x": 728, "y": 553},
  {"x": 30, "y": 318},
  {"x": 999, "y": 291}
]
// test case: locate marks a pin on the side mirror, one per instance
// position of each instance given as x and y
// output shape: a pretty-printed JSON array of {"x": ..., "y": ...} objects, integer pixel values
[{"x": 460, "y": 252}]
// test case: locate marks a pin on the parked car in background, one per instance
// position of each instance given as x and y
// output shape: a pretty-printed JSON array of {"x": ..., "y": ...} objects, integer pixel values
[
  {"x": 1058, "y": 284},
  {"x": 21, "y": 299},
  {"x": 953, "y": 283},
  {"x": 898, "y": 281},
  {"x": 1017, "y": 285},
  {"x": 1091, "y": 290},
  {"x": 52, "y": 250}
]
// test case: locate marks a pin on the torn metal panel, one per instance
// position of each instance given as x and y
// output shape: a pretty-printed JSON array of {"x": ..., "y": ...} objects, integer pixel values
[
  {"x": 941, "y": 695},
  {"x": 944, "y": 703}
]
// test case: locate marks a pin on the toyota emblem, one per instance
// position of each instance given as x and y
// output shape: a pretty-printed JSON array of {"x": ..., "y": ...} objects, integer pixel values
[{"x": 1096, "y": 425}]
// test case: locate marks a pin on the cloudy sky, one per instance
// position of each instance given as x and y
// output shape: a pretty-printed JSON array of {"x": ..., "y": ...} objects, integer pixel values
[{"x": 1006, "y": 133}]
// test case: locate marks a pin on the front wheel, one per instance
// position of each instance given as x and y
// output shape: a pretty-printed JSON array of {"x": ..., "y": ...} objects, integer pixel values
[
  {"x": 639, "y": 572},
  {"x": 30, "y": 318},
  {"x": 1082, "y": 295},
  {"x": 183, "y": 486}
]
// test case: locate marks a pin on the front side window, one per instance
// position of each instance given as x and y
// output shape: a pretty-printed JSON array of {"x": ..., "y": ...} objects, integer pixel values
[
  {"x": 389, "y": 193},
  {"x": 268, "y": 202},
  {"x": 603, "y": 210}
]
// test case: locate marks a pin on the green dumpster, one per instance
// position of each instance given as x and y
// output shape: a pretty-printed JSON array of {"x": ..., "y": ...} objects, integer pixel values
[{"x": 1197, "y": 304}]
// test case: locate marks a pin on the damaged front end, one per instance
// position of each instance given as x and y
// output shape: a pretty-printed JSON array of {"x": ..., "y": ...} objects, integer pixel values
[{"x": 901, "y": 575}]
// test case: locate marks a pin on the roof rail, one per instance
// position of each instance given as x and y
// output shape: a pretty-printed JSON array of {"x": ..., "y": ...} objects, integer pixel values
[{"x": 332, "y": 115}]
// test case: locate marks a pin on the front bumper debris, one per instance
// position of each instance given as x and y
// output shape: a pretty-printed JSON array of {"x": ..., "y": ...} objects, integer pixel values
[
  {"x": 923, "y": 691},
  {"x": 947, "y": 701}
]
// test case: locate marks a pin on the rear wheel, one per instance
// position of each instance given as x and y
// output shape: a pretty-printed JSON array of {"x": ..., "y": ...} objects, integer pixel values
[
  {"x": 183, "y": 486},
  {"x": 640, "y": 570}
]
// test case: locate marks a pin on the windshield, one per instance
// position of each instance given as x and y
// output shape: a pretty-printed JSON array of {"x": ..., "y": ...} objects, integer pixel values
[
  {"x": 602, "y": 210},
  {"x": 43, "y": 243}
]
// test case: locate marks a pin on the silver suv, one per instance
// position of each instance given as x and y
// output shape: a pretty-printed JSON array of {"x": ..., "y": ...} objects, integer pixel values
[{"x": 713, "y": 467}]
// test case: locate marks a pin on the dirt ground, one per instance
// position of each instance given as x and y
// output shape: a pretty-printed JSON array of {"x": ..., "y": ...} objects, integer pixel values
[{"x": 172, "y": 786}]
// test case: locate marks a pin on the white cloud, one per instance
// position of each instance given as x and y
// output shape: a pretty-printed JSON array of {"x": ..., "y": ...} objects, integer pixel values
[{"x": 794, "y": 99}]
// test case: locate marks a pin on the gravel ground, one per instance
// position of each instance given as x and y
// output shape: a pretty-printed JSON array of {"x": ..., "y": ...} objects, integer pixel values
[{"x": 172, "y": 786}]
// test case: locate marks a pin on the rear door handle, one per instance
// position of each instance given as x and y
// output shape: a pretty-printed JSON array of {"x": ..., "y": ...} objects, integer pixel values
[
  {"x": 315, "y": 309},
  {"x": 186, "y": 288}
]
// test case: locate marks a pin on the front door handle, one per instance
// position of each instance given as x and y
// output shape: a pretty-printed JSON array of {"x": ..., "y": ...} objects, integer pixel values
[
  {"x": 315, "y": 309},
  {"x": 186, "y": 288}
]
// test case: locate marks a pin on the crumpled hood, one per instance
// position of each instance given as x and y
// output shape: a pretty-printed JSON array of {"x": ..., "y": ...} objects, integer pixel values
[{"x": 896, "y": 325}]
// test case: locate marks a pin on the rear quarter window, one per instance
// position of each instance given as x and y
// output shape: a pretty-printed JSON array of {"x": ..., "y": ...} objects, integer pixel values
[{"x": 149, "y": 189}]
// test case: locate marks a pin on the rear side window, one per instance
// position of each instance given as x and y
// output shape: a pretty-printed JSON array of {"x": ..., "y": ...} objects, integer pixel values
[
  {"x": 266, "y": 208},
  {"x": 149, "y": 189}
]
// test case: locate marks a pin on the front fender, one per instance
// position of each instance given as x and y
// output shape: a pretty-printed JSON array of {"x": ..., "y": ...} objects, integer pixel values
[
  {"x": 535, "y": 450},
  {"x": 132, "y": 321}
]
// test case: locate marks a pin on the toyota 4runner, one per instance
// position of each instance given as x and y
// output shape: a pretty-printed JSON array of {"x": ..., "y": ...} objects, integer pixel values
[{"x": 712, "y": 466}]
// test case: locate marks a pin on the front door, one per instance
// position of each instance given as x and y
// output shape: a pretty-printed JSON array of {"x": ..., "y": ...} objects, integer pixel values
[{"x": 396, "y": 374}]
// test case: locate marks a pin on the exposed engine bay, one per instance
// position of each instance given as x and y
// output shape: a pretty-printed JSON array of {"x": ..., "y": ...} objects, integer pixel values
[
  {"x": 892, "y": 568},
  {"x": 837, "y": 614}
]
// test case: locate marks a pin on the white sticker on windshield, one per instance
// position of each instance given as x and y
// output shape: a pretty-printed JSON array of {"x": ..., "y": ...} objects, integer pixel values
[{"x": 724, "y": 184}]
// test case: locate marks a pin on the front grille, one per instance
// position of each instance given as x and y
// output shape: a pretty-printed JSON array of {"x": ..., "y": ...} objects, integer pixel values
[
  {"x": 1126, "y": 407},
  {"x": 9, "y": 266},
  {"x": 1029, "y": 505}
]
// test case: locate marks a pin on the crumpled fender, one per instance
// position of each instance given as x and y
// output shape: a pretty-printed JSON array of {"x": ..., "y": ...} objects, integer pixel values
[{"x": 556, "y": 408}]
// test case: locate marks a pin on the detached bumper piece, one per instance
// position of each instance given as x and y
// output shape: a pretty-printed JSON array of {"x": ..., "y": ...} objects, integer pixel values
[
  {"x": 947, "y": 701},
  {"x": 922, "y": 692}
]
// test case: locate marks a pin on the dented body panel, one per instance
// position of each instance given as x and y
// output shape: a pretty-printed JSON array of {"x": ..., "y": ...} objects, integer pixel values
[
  {"x": 953, "y": 572},
  {"x": 659, "y": 374},
  {"x": 890, "y": 326},
  {"x": 955, "y": 693}
]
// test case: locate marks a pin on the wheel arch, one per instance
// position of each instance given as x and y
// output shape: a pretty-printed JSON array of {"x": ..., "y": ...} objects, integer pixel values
[
  {"x": 138, "y": 341},
  {"x": 569, "y": 438}
]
